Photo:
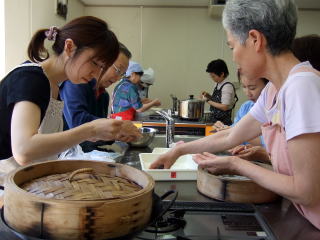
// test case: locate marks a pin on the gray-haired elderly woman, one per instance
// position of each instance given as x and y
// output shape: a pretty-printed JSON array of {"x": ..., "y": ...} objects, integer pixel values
[{"x": 260, "y": 34}]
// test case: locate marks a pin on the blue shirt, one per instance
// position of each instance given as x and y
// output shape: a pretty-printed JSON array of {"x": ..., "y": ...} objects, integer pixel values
[
  {"x": 243, "y": 110},
  {"x": 81, "y": 105},
  {"x": 125, "y": 96}
]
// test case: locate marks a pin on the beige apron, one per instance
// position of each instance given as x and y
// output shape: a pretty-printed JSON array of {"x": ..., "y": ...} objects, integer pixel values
[
  {"x": 277, "y": 146},
  {"x": 51, "y": 123}
]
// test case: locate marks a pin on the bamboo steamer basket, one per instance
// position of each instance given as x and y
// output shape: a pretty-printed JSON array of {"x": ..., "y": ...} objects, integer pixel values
[
  {"x": 41, "y": 217},
  {"x": 237, "y": 189}
]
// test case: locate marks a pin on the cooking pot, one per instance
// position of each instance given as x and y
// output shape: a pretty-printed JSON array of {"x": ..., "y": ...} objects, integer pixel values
[
  {"x": 191, "y": 108},
  {"x": 42, "y": 217}
]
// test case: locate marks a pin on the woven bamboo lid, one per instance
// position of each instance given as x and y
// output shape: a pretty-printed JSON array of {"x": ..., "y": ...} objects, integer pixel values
[{"x": 82, "y": 184}]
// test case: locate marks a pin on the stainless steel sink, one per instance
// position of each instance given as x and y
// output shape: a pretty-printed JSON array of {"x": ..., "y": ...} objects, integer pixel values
[
  {"x": 160, "y": 139},
  {"x": 132, "y": 155}
]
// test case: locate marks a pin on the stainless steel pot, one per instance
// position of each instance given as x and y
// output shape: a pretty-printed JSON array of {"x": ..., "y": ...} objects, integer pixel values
[{"x": 191, "y": 108}]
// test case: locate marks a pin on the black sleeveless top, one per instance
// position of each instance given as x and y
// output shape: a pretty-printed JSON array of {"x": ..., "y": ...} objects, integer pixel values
[{"x": 217, "y": 114}]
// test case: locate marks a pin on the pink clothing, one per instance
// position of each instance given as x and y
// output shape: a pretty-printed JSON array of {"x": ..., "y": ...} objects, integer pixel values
[
  {"x": 300, "y": 103},
  {"x": 277, "y": 122}
]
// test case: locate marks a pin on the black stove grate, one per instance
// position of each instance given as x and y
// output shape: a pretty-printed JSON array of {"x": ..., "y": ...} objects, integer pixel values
[{"x": 212, "y": 206}]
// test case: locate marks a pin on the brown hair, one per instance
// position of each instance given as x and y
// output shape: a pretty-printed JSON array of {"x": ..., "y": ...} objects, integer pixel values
[
  {"x": 307, "y": 48},
  {"x": 86, "y": 32},
  {"x": 123, "y": 49}
]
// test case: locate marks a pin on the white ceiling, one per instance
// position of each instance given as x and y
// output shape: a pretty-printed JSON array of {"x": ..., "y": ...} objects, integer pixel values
[
  {"x": 148, "y": 2},
  {"x": 306, "y": 4}
]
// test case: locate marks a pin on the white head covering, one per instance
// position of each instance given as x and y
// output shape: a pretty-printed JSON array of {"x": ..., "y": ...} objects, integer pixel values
[
  {"x": 147, "y": 77},
  {"x": 133, "y": 67}
]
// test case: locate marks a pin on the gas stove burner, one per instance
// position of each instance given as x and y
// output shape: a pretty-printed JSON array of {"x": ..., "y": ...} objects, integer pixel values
[
  {"x": 170, "y": 224},
  {"x": 167, "y": 227}
]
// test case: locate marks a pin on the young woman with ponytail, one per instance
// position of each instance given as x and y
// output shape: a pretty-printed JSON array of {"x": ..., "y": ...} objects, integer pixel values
[{"x": 30, "y": 109}]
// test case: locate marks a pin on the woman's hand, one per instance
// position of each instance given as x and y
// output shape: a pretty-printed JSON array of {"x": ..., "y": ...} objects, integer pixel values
[
  {"x": 239, "y": 148},
  {"x": 165, "y": 160},
  {"x": 215, "y": 164},
  {"x": 203, "y": 98},
  {"x": 156, "y": 102},
  {"x": 251, "y": 153},
  {"x": 111, "y": 129},
  {"x": 219, "y": 126},
  {"x": 128, "y": 132},
  {"x": 177, "y": 143},
  {"x": 205, "y": 95},
  {"x": 145, "y": 100}
]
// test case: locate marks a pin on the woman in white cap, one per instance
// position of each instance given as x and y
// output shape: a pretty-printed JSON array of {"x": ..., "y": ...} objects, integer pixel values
[
  {"x": 147, "y": 80},
  {"x": 125, "y": 98},
  {"x": 285, "y": 112}
]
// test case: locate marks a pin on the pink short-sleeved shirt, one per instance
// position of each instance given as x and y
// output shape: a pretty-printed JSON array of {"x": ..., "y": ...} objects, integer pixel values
[{"x": 300, "y": 104}]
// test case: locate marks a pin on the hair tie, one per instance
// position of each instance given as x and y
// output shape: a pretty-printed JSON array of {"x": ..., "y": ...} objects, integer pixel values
[{"x": 51, "y": 34}]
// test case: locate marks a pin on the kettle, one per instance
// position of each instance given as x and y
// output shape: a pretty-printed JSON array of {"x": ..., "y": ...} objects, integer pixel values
[{"x": 191, "y": 108}]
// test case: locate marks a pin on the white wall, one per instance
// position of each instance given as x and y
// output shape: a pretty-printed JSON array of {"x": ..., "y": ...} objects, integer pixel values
[
  {"x": 2, "y": 41},
  {"x": 23, "y": 18},
  {"x": 178, "y": 43}
]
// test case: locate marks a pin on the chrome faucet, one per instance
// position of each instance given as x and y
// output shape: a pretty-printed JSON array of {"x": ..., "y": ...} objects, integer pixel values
[{"x": 169, "y": 126}]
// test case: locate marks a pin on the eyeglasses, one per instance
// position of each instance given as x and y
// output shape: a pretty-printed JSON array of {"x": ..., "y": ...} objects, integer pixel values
[{"x": 118, "y": 71}]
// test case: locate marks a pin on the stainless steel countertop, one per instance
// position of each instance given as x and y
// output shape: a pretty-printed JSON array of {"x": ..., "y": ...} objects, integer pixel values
[{"x": 149, "y": 118}]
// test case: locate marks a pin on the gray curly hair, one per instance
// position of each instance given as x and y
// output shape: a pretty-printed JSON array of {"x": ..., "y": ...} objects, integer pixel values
[{"x": 275, "y": 19}]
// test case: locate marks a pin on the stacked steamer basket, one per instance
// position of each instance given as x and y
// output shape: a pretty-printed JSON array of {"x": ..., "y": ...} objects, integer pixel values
[
  {"x": 77, "y": 199},
  {"x": 233, "y": 188}
]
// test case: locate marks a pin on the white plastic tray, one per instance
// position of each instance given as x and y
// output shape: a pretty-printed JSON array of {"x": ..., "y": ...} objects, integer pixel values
[
  {"x": 160, "y": 150},
  {"x": 183, "y": 169}
]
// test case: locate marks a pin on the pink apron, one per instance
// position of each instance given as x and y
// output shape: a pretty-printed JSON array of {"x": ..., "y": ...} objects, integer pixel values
[{"x": 276, "y": 145}]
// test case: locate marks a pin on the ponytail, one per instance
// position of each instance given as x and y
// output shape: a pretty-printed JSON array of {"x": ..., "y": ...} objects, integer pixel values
[
  {"x": 36, "y": 50},
  {"x": 86, "y": 32}
]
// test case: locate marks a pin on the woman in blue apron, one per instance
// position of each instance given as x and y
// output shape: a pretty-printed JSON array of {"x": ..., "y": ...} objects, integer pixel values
[
  {"x": 126, "y": 101},
  {"x": 224, "y": 97}
]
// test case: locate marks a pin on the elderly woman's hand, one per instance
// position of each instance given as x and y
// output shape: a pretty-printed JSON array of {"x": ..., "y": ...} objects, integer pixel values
[
  {"x": 165, "y": 160},
  {"x": 215, "y": 164}
]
